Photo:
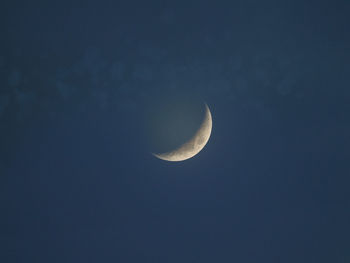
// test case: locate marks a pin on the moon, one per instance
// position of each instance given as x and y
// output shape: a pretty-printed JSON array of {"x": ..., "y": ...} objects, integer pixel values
[{"x": 194, "y": 145}]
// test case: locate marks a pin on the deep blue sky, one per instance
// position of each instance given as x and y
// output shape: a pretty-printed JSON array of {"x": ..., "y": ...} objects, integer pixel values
[{"x": 78, "y": 82}]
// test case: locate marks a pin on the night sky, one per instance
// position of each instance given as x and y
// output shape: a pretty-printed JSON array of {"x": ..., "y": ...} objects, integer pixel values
[{"x": 86, "y": 86}]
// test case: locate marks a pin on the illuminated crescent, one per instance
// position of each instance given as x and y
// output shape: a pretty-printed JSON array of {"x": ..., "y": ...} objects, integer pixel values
[{"x": 194, "y": 145}]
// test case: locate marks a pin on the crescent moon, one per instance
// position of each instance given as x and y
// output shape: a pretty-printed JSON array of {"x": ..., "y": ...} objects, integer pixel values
[{"x": 193, "y": 146}]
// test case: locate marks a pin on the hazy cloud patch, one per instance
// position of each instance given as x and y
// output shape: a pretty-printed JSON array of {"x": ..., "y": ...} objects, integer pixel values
[{"x": 239, "y": 77}]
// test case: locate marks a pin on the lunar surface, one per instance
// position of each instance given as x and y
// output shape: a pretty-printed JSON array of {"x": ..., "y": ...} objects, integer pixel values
[{"x": 194, "y": 145}]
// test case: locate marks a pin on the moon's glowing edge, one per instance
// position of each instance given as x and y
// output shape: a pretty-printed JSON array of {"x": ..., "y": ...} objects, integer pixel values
[{"x": 194, "y": 145}]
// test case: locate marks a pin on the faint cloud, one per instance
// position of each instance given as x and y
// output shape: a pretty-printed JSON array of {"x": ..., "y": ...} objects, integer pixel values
[{"x": 93, "y": 64}]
